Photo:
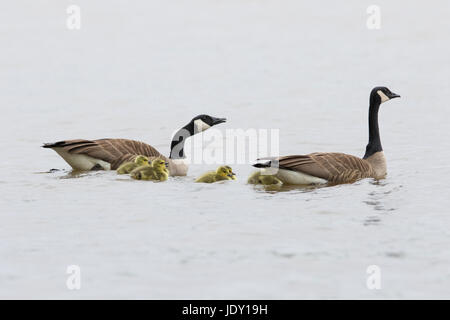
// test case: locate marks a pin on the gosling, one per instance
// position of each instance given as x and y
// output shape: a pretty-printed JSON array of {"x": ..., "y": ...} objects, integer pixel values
[
  {"x": 222, "y": 173},
  {"x": 267, "y": 180},
  {"x": 127, "y": 167},
  {"x": 157, "y": 171}
]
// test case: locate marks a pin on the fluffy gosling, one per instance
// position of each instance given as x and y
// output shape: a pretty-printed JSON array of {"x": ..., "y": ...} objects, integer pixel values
[
  {"x": 267, "y": 180},
  {"x": 222, "y": 173},
  {"x": 127, "y": 167},
  {"x": 157, "y": 171}
]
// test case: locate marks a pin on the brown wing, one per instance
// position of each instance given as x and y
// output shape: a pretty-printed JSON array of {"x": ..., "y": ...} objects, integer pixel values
[
  {"x": 114, "y": 151},
  {"x": 334, "y": 167}
]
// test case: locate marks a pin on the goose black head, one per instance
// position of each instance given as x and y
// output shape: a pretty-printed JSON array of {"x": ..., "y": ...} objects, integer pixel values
[
  {"x": 196, "y": 125},
  {"x": 382, "y": 94},
  {"x": 203, "y": 122}
]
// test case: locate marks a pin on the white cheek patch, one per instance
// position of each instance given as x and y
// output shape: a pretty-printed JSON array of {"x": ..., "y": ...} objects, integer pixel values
[
  {"x": 200, "y": 125},
  {"x": 383, "y": 97}
]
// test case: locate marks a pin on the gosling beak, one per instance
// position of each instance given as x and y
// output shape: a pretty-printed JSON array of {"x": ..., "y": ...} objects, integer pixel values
[
  {"x": 230, "y": 175},
  {"x": 166, "y": 164},
  {"x": 218, "y": 120},
  {"x": 394, "y": 95}
]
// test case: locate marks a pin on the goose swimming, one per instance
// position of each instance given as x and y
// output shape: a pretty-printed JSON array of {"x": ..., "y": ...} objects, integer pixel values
[
  {"x": 336, "y": 168},
  {"x": 109, "y": 154}
]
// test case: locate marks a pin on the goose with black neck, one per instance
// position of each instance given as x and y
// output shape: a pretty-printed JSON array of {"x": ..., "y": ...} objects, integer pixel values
[
  {"x": 109, "y": 154},
  {"x": 333, "y": 167}
]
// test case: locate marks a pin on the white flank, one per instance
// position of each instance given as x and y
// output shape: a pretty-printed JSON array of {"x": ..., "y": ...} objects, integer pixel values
[
  {"x": 294, "y": 177},
  {"x": 81, "y": 161}
]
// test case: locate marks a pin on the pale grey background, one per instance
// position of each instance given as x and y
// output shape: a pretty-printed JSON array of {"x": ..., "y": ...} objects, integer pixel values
[{"x": 141, "y": 69}]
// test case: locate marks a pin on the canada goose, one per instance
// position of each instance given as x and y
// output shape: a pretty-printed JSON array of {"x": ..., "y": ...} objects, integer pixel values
[
  {"x": 222, "y": 173},
  {"x": 127, "y": 167},
  {"x": 267, "y": 180},
  {"x": 157, "y": 171},
  {"x": 230, "y": 171},
  {"x": 109, "y": 154},
  {"x": 336, "y": 168}
]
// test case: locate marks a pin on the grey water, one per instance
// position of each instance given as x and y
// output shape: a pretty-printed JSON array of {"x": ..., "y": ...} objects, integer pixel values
[{"x": 142, "y": 70}]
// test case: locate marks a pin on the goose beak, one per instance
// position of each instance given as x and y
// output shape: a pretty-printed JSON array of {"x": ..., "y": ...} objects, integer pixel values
[
  {"x": 218, "y": 120},
  {"x": 394, "y": 95}
]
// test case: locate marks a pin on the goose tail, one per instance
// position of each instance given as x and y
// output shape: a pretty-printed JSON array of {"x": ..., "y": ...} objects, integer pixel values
[
  {"x": 272, "y": 161},
  {"x": 53, "y": 144},
  {"x": 262, "y": 165}
]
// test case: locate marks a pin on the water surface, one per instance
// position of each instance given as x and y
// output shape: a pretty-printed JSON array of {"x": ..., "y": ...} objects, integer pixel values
[{"x": 143, "y": 70}]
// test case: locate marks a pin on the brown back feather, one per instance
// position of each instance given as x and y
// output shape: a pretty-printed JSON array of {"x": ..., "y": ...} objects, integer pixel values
[
  {"x": 334, "y": 167},
  {"x": 114, "y": 151}
]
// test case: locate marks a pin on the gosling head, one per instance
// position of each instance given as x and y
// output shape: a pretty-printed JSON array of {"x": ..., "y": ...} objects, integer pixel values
[
  {"x": 382, "y": 94},
  {"x": 223, "y": 172},
  {"x": 141, "y": 160},
  {"x": 159, "y": 164},
  {"x": 231, "y": 174}
]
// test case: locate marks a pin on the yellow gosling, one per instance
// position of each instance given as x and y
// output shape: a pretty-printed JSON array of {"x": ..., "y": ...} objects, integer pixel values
[
  {"x": 222, "y": 173},
  {"x": 157, "y": 171},
  {"x": 267, "y": 180},
  {"x": 230, "y": 171},
  {"x": 127, "y": 167}
]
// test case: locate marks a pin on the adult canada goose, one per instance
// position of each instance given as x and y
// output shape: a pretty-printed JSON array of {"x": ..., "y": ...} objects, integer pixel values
[
  {"x": 157, "y": 171},
  {"x": 127, "y": 167},
  {"x": 222, "y": 173},
  {"x": 109, "y": 154},
  {"x": 335, "y": 168}
]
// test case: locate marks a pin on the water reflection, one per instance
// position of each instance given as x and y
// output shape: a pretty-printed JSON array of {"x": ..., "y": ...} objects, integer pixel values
[
  {"x": 286, "y": 188},
  {"x": 71, "y": 174},
  {"x": 79, "y": 174}
]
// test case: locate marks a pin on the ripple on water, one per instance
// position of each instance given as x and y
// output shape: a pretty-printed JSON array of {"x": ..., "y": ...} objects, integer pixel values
[
  {"x": 283, "y": 254},
  {"x": 372, "y": 221},
  {"x": 395, "y": 254},
  {"x": 378, "y": 199}
]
